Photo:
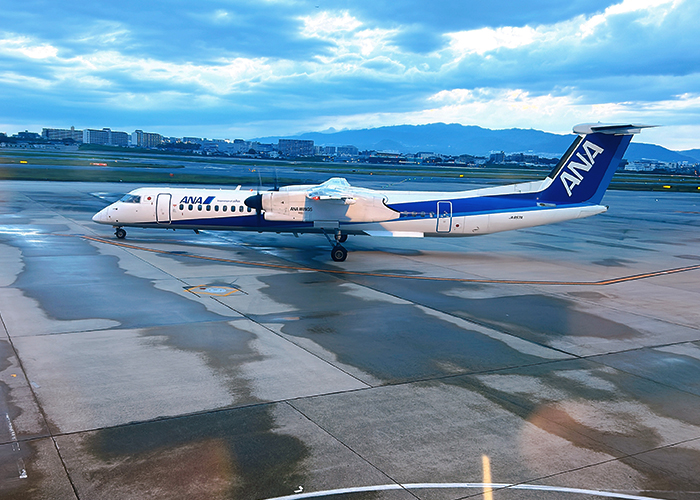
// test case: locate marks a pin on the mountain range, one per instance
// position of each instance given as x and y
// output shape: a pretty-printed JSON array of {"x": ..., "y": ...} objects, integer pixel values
[{"x": 456, "y": 139}]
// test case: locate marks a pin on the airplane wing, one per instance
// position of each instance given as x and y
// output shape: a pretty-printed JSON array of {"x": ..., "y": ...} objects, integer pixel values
[{"x": 337, "y": 188}]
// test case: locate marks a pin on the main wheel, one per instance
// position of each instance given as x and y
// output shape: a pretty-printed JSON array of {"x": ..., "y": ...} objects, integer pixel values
[
  {"x": 120, "y": 233},
  {"x": 339, "y": 254},
  {"x": 342, "y": 238}
]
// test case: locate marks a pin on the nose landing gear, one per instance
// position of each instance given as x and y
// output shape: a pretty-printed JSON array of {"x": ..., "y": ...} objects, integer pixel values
[{"x": 120, "y": 233}]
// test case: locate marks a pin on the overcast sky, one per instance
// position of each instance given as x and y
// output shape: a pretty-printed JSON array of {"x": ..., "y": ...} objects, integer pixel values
[{"x": 239, "y": 69}]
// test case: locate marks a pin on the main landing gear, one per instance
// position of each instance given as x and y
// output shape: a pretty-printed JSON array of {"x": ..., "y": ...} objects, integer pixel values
[
  {"x": 338, "y": 253},
  {"x": 120, "y": 233}
]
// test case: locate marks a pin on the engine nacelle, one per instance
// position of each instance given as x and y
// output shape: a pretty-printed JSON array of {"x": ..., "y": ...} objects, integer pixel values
[{"x": 298, "y": 206}]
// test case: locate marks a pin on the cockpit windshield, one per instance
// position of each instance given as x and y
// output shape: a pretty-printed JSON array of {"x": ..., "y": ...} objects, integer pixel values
[{"x": 130, "y": 198}]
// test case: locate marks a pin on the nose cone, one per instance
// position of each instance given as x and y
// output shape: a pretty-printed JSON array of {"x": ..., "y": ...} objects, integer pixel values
[{"x": 100, "y": 216}]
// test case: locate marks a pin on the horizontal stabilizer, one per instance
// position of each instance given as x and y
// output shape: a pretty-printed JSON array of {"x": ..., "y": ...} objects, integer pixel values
[{"x": 609, "y": 128}]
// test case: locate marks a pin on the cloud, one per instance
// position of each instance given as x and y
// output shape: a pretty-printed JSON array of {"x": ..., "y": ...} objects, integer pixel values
[{"x": 284, "y": 66}]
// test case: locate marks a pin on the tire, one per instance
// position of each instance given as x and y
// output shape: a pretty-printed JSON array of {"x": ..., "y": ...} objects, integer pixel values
[
  {"x": 120, "y": 233},
  {"x": 339, "y": 254},
  {"x": 343, "y": 238}
]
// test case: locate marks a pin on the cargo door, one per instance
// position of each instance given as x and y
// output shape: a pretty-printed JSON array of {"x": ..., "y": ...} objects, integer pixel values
[{"x": 444, "y": 213}]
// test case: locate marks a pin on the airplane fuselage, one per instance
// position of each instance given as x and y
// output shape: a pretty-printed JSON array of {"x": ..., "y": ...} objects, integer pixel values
[
  {"x": 573, "y": 190},
  {"x": 394, "y": 213}
]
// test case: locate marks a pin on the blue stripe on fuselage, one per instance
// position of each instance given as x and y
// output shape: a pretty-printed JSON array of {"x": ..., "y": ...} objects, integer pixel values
[
  {"x": 475, "y": 205},
  {"x": 239, "y": 221}
]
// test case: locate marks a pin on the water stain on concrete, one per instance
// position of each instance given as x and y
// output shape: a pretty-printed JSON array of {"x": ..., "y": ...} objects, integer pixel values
[
  {"x": 536, "y": 317},
  {"x": 630, "y": 436},
  {"x": 222, "y": 454},
  {"x": 223, "y": 347},
  {"x": 588, "y": 295},
  {"x": 393, "y": 342},
  {"x": 71, "y": 280},
  {"x": 611, "y": 262}
]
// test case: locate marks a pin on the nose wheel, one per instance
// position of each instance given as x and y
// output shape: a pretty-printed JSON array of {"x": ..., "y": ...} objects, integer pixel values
[{"x": 120, "y": 233}]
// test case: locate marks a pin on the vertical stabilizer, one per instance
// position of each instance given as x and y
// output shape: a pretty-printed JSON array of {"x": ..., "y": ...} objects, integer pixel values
[{"x": 584, "y": 172}]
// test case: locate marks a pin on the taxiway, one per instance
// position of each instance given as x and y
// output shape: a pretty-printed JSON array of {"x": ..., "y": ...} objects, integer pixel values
[{"x": 518, "y": 365}]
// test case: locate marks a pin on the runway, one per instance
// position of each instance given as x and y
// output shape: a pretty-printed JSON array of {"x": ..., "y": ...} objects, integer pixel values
[{"x": 251, "y": 366}]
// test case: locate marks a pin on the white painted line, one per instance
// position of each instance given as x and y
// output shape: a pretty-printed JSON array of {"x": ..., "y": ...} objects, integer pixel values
[
  {"x": 15, "y": 447},
  {"x": 22, "y": 469},
  {"x": 415, "y": 486},
  {"x": 13, "y": 435}
]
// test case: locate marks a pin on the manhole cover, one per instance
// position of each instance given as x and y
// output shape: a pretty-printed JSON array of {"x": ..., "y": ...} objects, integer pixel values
[{"x": 220, "y": 291}]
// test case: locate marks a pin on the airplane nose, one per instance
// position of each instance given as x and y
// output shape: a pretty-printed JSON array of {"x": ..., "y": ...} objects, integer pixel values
[{"x": 100, "y": 216}]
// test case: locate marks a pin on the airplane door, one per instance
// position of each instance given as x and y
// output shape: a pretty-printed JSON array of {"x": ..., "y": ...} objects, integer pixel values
[
  {"x": 444, "y": 213},
  {"x": 163, "y": 208}
]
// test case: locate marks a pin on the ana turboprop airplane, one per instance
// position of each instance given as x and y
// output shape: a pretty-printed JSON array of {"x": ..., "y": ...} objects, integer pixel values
[{"x": 573, "y": 190}]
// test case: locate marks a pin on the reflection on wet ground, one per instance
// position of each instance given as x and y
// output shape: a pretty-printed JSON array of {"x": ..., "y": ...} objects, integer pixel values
[{"x": 118, "y": 380}]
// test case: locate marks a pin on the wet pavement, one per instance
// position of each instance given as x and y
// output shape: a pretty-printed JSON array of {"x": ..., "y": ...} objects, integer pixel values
[{"x": 262, "y": 372}]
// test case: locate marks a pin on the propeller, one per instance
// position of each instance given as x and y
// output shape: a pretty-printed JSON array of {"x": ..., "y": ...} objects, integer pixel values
[{"x": 255, "y": 201}]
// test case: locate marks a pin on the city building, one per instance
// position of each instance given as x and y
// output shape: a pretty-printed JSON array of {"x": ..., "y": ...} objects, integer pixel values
[
  {"x": 141, "y": 139},
  {"x": 295, "y": 147},
  {"x": 27, "y": 136},
  {"x": 62, "y": 134},
  {"x": 105, "y": 137},
  {"x": 348, "y": 151},
  {"x": 498, "y": 157}
]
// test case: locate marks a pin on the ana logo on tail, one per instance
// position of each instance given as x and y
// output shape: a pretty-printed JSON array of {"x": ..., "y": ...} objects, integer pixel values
[{"x": 574, "y": 178}]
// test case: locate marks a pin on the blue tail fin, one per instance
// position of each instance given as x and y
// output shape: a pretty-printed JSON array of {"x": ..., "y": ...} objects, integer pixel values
[{"x": 584, "y": 172}]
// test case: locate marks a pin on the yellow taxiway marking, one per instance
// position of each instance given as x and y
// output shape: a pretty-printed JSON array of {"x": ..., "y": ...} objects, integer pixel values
[
  {"x": 486, "y": 464},
  {"x": 612, "y": 281}
]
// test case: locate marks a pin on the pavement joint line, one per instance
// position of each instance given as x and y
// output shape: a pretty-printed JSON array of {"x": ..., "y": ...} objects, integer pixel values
[
  {"x": 637, "y": 375},
  {"x": 350, "y": 449},
  {"x": 51, "y": 434},
  {"x": 612, "y": 281},
  {"x": 611, "y": 460},
  {"x": 262, "y": 325},
  {"x": 280, "y": 401}
]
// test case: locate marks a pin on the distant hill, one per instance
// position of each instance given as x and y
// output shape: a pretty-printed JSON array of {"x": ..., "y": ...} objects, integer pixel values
[
  {"x": 456, "y": 139},
  {"x": 639, "y": 151},
  {"x": 693, "y": 153}
]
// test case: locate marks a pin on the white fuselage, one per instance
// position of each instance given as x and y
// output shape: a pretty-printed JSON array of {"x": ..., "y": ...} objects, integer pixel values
[{"x": 360, "y": 211}]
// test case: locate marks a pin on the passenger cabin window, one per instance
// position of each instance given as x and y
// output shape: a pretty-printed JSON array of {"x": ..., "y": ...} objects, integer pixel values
[
  {"x": 199, "y": 207},
  {"x": 208, "y": 208},
  {"x": 182, "y": 207},
  {"x": 223, "y": 208},
  {"x": 130, "y": 198},
  {"x": 190, "y": 207},
  {"x": 216, "y": 208},
  {"x": 240, "y": 209},
  {"x": 250, "y": 209}
]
